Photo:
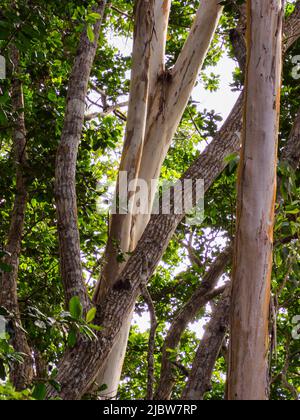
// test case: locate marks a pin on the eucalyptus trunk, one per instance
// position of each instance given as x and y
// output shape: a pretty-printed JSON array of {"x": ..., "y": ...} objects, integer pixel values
[
  {"x": 256, "y": 203},
  {"x": 157, "y": 102}
]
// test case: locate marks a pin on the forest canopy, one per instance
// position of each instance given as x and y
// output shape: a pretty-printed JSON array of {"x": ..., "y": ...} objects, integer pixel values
[{"x": 141, "y": 306}]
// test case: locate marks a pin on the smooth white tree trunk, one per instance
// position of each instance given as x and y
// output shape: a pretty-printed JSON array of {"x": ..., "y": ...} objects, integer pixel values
[
  {"x": 144, "y": 154},
  {"x": 248, "y": 370},
  {"x": 145, "y": 57}
]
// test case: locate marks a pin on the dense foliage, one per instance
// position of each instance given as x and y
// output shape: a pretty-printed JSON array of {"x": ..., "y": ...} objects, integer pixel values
[{"x": 46, "y": 34}]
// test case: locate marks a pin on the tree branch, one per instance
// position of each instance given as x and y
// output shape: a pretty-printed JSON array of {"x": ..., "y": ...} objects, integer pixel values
[
  {"x": 292, "y": 28},
  {"x": 168, "y": 101},
  {"x": 133, "y": 144},
  {"x": 90, "y": 357},
  {"x": 191, "y": 58},
  {"x": 205, "y": 292},
  {"x": 199, "y": 381},
  {"x": 291, "y": 152},
  {"x": 158, "y": 42},
  {"x": 106, "y": 111}
]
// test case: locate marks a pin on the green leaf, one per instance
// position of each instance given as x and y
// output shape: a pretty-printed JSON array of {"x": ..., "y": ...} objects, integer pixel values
[
  {"x": 90, "y": 33},
  {"x": 96, "y": 327},
  {"x": 4, "y": 98},
  {"x": 231, "y": 158},
  {"x": 292, "y": 210},
  {"x": 3, "y": 117},
  {"x": 91, "y": 315},
  {"x": 94, "y": 16},
  {"x": 75, "y": 307},
  {"x": 52, "y": 96},
  {"x": 39, "y": 392},
  {"x": 72, "y": 339},
  {"x": 56, "y": 385}
]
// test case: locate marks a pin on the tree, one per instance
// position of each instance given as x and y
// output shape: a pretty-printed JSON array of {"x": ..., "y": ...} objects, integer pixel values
[
  {"x": 21, "y": 376},
  {"x": 167, "y": 96},
  {"x": 248, "y": 371},
  {"x": 82, "y": 129}
]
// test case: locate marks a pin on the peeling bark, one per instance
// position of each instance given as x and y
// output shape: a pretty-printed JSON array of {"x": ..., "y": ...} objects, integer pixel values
[
  {"x": 120, "y": 226},
  {"x": 247, "y": 379},
  {"x": 119, "y": 236},
  {"x": 21, "y": 375},
  {"x": 170, "y": 97}
]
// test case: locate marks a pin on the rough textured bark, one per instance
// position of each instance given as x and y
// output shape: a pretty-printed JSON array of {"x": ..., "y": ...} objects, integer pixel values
[
  {"x": 291, "y": 152},
  {"x": 238, "y": 40},
  {"x": 199, "y": 381},
  {"x": 21, "y": 375},
  {"x": 204, "y": 293},
  {"x": 256, "y": 199},
  {"x": 65, "y": 173},
  {"x": 91, "y": 356},
  {"x": 151, "y": 343},
  {"x": 292, "y": 28},
  {"x": 239, "y": 47}
]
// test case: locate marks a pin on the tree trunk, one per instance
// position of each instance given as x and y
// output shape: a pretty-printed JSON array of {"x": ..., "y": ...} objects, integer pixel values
[
  {"x": 168, "y": 95},
  {"x": 256, "y": 198},
  {"x": 169, "y": 100},
  {"x": 229, "y": 137},
  {"x": 65, "y": 170},
  {"x": 291, "y": 152},
  {"x": 203, "y": 294},
  {"x": 120, "y": 240},
  {"x": 21, "y": 375},
  {"x": 119, "y": 236},
  {"x": 78, "y": 367},
  {"x": 291, "y": 28},
  {"x": 199, "y": 381}
]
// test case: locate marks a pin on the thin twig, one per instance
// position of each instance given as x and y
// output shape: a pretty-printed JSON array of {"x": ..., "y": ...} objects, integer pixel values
[
  {"x": 121, "y": 12},
  {"x": 106, "y": 111}
]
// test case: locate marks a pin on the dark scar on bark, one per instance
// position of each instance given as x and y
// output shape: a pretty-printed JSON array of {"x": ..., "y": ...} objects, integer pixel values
[{"x": 122, "y": 285}]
